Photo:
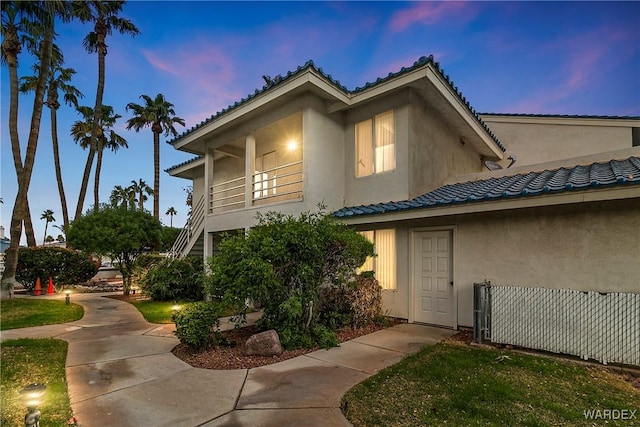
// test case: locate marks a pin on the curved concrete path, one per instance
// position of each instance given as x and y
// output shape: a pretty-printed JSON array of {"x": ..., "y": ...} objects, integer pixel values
[{"x": 121, "y": 372}]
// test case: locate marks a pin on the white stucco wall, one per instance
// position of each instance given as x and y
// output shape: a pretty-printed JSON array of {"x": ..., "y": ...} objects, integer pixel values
[
  {"x": 535, "y": 141},
  {"x": 435, "y": 151},
  {"x": 587, "y": 246}
]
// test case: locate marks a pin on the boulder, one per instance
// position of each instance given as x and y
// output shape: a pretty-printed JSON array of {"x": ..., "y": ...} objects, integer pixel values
[{"x": 263, "y": 344}]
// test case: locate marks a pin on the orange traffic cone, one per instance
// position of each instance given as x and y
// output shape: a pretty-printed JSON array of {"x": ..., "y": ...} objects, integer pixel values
[
  {"x": 38, "y": 289},
  {"x": 50, "y": 289}
]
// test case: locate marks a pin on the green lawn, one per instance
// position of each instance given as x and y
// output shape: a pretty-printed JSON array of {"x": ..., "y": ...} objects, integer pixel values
[
  {"x": 26, "y": 312},
  {"x": 161, "y": 311},
  {"x": 157, "y": 311},
  {"x": 458, "y": 385},
  {"x": 26, "y": 361}
]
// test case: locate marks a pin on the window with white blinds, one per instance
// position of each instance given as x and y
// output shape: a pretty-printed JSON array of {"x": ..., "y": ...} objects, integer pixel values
[
  {"x": 384, "y": 263},
  {"x": 375, "y": 144}
]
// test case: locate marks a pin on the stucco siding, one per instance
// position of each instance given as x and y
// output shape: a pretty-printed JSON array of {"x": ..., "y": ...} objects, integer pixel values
[
  {"x": 589, "y": 246},
  {"x": 534, "y": 143},
  {"x": 323, "y": 156},
  {"x": 593, "y": 247},
  {"x": 435, "y": 150},
  {"x": 385, "y": 186}
]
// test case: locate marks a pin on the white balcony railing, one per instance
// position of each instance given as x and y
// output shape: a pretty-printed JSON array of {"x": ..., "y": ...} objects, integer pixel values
[
  {"x": 269, "y": 186},
  {"x": 278, "y": 184},
  {"x": 227, "y": 195}
]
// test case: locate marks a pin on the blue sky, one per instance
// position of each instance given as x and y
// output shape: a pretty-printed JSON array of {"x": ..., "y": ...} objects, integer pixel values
[{"x": 505, "y": 57}]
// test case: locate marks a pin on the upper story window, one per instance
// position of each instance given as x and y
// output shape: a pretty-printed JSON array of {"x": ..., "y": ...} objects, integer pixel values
[{"x": 376, "y": 145}]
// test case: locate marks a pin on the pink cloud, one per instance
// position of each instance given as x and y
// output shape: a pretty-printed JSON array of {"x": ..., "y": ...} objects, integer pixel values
[
  {"x": 430, "y": 13},
  {"x": 588, "y": 60}
]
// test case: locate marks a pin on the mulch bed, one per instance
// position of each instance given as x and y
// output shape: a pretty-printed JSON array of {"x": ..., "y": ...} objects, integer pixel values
[{"x": 232, "y": 356}]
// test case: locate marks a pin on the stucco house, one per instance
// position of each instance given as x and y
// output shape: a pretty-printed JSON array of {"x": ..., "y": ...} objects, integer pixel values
[{"x": 407, "y": 161}]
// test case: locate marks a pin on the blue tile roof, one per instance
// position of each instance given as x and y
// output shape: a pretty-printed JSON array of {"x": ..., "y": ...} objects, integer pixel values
[
  {"x": 612, "y": 173},
  {"x": 183, "y": 164},
  {"x": 311, "y": 65}
]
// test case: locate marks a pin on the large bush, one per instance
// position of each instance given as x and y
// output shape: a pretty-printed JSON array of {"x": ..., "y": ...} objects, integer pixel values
[
  {"x": 120, "y": 233},
  {"x": 175, "y": 279},
  {"x": 64, "y": 266},
  {"x": 285, "y": 264},
  {"x": 195, "y": 323}
]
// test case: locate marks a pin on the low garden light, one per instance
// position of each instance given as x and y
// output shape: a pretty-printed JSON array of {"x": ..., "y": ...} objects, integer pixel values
[
  {"x": 175, "y": 308},
  {"x": 67, "y": 296},
  {"x": 32, "y": 396}
]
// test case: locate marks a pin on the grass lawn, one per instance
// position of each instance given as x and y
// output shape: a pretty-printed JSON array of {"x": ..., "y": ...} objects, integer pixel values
[
  {"x": 458, "y": 385},
  {"x": 156, "y": 311},
  {"x": 161, "y": 311},
  {"x": 25, "y": 361},
  {"x": 25, "y": 312}
]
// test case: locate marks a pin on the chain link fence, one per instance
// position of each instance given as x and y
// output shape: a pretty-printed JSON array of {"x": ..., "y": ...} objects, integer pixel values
[{"x": 591, "y": 325}]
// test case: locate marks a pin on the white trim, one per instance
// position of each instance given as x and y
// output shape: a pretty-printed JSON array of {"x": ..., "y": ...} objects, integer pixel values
[{"x": 453, "y": 230}]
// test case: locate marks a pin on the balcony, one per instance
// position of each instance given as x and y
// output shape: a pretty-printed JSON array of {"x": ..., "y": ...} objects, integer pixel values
[{"x": 277, "y": 184}]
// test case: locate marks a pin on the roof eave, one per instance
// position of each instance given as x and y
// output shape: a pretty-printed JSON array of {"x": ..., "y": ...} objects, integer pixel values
[
  {"x": 185, "y": 170},
  {"x": 563, "y": 198},
  {"x": 307, "y": 80}
]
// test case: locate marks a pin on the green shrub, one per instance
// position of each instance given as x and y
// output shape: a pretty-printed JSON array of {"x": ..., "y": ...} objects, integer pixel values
[
  {"x": 283, "y": 264},
  {"x": 175, "y": 279},
  {"x": 167, "y": 237},
  {"x": 64, "y": 266},
  {"x": 195, "y": 323},
  {"x": 142, "y": 265}
]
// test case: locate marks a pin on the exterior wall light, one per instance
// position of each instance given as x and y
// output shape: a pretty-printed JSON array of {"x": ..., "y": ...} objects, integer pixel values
[
  {"x": 31, "y": 396},
  {"x": 292, "y": 145}
]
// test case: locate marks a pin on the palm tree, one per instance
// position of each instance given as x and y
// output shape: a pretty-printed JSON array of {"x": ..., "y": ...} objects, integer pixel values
[
  {"x": 140, "y": 188},
  {"x": 171, "y": 212},
  {"x": 124, "y": 197},
  {"x": 39, "y": 19},
  {"x": 48, "y": 217},
  {"x": 59, "y": 78},
  {"x": 158, "y": 114},
  {"x": 82, "y": 133},
  {"x": 105, "y": 19}
]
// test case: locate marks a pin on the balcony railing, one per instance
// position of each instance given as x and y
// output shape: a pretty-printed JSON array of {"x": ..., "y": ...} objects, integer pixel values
[
  {"x": 269, "y": 186},
  {"x": 227, "y": 195},
  {"x": 278, "y": 184}
]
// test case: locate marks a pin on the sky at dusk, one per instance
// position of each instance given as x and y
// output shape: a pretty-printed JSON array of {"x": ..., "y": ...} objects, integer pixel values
[{"x": 579, "y": 58}]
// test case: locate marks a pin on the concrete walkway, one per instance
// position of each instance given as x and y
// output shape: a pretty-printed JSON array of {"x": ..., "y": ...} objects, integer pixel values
[{"x": 121, "y": 372}]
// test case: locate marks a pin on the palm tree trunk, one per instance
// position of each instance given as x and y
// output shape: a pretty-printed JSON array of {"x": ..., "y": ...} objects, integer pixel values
[
  {"x": 96, "y": 182},
  {"x": 24, "y": 176},
  {"x": 28, "y": 226},
  {"x": 46, "y": 225},
  {"x": 56, "y": 164},
  {"x": 85, "y": 181},
  {"x": 100, "y": 30},
  {"x": 156, "y": 175}
]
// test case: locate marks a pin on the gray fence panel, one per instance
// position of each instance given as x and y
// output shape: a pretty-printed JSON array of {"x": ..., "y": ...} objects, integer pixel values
[{"x": 592, "y": 325}]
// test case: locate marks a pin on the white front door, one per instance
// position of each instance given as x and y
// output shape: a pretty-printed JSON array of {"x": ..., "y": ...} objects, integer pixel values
[{"x": 432, "y": 278}]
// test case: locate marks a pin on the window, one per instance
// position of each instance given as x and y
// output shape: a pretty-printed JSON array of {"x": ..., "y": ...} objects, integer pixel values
[
  {"x": 384, "y": 263},
  {"x": 375, "y": 145}
]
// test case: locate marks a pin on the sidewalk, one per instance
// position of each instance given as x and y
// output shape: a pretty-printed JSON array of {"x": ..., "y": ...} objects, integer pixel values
[{"x": 121, "y": 372}]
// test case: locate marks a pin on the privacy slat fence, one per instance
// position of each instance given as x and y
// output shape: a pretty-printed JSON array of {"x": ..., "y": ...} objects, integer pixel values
[{"x": 592, "y": 325}]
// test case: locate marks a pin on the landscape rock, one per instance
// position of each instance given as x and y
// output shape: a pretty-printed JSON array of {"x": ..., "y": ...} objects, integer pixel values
[{"x": 263, "y": 344}]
